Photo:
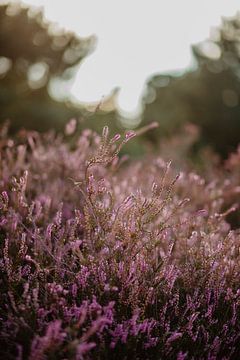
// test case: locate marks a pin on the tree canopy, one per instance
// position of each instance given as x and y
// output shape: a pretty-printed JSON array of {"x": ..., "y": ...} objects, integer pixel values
[
  {"x": 33, "y": 54},
  {"x": 208, "y": 95}
]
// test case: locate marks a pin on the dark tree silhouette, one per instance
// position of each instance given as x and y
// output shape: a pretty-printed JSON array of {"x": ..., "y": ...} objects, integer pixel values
[
  {"x": 208, "y": 96},
  {"x": 33, "y": 53}
]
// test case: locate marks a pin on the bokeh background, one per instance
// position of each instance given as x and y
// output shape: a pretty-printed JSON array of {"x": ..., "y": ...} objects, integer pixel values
[{"x": 45, "y": 79}]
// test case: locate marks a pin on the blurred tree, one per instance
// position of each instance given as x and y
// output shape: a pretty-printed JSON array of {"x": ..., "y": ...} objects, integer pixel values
[
  {"x": 208, "y": 96},
  {"x": 33, "y": 55}
]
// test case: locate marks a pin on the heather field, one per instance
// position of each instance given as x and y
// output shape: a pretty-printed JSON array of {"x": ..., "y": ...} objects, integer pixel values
[{"x": 104, "y": 257}]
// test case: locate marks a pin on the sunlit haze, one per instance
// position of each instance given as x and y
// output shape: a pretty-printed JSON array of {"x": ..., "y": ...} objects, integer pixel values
[{"x": 135, "y": 39}]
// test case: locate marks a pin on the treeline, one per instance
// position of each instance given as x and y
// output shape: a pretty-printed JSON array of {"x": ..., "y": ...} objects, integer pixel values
[{"x": 45, "y": 57}]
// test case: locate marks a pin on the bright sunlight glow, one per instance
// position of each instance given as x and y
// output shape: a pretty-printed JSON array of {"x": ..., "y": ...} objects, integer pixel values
[{"x": 135, "y": 40}]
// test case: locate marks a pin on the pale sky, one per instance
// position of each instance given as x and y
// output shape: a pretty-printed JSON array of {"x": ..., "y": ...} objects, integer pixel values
[{"x": 136, "y": 39}]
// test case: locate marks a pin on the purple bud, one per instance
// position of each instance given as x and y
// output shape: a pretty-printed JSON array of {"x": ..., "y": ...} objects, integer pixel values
[
  {"x": 105, "y": 131},
  {"x": 129, "y": 135},
  {"x": 154, "y": 187},
  {"x": 116, "y": 138},
  {"x": 202, "y": 213},
  {"x": 71, "y": 127}
]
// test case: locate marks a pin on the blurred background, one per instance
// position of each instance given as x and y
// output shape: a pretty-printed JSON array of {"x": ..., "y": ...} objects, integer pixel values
[{"x": 125, "y": 65}]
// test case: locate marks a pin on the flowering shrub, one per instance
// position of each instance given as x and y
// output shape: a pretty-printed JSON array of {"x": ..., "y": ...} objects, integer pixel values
[{"x": 105, "y": 260}]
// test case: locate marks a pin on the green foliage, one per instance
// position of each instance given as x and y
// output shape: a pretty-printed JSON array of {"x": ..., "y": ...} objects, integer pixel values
[
  {"x": 208, "y": 96},
  {"x": 30, "y": 62}
]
